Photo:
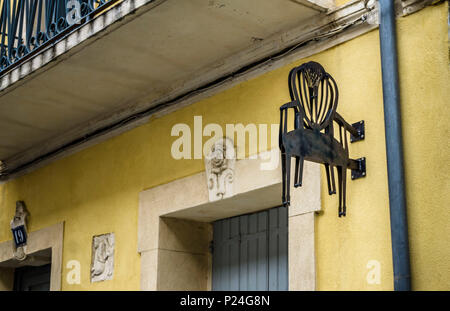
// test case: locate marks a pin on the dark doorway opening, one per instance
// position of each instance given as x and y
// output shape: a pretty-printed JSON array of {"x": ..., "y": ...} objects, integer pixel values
[{"x": 30, "y": 278}]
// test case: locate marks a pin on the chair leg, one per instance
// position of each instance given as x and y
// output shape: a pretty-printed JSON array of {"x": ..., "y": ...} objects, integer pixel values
[
  {"x": 327, "y": 171},
  {"x": 283, "y": 177},
  {"x": 344, "y": 191},
  {"x": 288, "y": 180},
  {"x": 298, "y": 172},
  {"x": 333, "y": 188},
  {"x": 339, "y": 169}
]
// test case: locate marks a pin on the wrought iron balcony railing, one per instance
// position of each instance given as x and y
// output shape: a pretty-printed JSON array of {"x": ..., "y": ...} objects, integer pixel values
[{"x": 27, "y": 26}]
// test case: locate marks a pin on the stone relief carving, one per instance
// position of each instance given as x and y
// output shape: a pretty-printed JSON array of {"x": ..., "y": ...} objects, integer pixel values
[
  {"x": 20, "y": 220},
  {"x": 220, "y": 164},
  {"x": 102, "y": 257}
]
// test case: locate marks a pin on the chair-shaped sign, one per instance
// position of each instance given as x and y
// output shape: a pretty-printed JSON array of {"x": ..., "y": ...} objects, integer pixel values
[{"x": 314, "y": 98}]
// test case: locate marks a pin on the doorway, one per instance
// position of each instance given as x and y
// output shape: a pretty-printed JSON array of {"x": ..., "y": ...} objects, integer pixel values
[
  {"x": 31, "y": 278},
  {"x": 250, "y": 252}
]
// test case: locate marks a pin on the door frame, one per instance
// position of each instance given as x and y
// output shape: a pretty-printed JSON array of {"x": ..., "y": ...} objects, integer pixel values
[
  {"x": 38, "y": 241},
  {"x": 174, "y": 224}
]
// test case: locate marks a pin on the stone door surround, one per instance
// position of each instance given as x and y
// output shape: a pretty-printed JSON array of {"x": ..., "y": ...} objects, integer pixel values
[
  {"x": 43, "y": 246},
  {"x": 174, "y": 225}
]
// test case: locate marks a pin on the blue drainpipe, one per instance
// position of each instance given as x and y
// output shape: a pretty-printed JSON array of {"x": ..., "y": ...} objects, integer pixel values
[{"x": 394, "y": 149}]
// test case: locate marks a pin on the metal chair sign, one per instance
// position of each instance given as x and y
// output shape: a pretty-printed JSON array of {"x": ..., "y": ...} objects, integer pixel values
[{"x": 314, "y": 99}]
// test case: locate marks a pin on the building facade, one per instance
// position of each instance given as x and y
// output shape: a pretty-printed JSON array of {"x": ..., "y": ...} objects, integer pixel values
[{"x": 112, "y": 137}]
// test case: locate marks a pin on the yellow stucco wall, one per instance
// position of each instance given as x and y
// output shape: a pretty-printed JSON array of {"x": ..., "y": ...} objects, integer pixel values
[
  {"x": 425, "y": 92},
  {"x": 346, "y": 246},
  {"x": 96, "y": 190}
]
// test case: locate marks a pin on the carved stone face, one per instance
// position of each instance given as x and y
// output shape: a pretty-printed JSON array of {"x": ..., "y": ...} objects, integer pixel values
[
  {"x": 218, "y": 157},
  {"x": 219, "y": 167},
  {"x": 20, "y": 215},
  {"x": 20, "y": 209}
]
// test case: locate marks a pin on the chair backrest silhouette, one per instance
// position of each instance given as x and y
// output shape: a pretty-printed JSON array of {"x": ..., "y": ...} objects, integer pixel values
[{"x": 316, "y": 93}]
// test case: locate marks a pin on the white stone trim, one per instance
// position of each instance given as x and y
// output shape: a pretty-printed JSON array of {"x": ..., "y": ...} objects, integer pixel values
[
  {"x": 320, "y": 5},
  {"x": 408, "y": 7},
  {"x": 302, "y": 275},
  {"x": 49, "y": 237},
  {"x": 255, "y": 189}
]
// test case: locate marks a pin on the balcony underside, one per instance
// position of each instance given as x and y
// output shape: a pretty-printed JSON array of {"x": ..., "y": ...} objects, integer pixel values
[{"x": 166, "y": 50}]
